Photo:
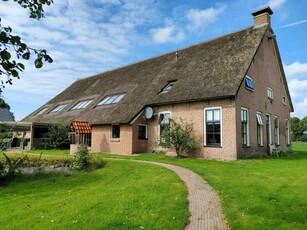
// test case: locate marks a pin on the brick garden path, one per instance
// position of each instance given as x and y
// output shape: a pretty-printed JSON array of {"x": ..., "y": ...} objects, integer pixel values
[{"x": 204, "y": 203}]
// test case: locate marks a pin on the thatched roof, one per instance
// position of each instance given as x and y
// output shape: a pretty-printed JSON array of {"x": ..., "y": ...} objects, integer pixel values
[{"x": 208, "y": 70}]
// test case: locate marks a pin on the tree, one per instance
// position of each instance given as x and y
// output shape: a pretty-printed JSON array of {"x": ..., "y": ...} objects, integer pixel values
[
  {"x": 178, "y": 136},
  {"x": 13, "y": 43},
  {"x": 57, "y": 137},
  {"x": 3, "y": 104}
]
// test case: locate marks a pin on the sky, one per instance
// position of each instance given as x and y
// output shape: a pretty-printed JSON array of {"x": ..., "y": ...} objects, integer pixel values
[{"x": 85, "y": 38}]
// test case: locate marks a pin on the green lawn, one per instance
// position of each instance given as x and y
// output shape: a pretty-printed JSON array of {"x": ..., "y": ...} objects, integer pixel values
[
  {"x": 121, "y": 195},
  {"x": 264, "y": 193}
]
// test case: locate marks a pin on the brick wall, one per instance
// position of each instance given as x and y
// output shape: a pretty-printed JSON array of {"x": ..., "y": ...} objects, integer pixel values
[
  {"x": 194, "y": 112},
  {"x": 102, "y": 141},
  {"x": 265, "y": 73}
]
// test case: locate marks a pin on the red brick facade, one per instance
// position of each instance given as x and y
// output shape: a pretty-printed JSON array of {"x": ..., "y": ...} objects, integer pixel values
[{"x": 265, "y": 71}]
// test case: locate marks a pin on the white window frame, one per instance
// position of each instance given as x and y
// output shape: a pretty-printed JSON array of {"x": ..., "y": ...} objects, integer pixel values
[
  {"x": 159, "y": 128},
  {"x": 277, "y": 131},
  {"x": 81, "y": 104},
  {"x": 287, "y": 127},
  {"x": 259, "y": 123},
  {"x": 111, "y": 99},
  {"x": 146, "y": 131},
  {"x": 205, "y": 124},
  {"x": 247, "y": 127},
  {"x": 58, "y": 108},
  {"x": 270, "y": 127},
  {"x": 270, "y": 93},
  {"x": 284, "y": 100}
]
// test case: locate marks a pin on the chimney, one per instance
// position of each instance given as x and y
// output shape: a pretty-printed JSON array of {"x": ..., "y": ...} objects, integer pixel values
[{"x": 262, "y": 16}]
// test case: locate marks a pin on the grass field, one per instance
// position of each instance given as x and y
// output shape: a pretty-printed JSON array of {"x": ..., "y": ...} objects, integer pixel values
[
  {"x": 263, "y": 193},
  {"x": 121, "y": 195}
]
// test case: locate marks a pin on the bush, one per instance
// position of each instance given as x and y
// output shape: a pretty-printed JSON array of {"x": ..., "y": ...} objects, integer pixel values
[
  {"x": 303, "y": 138},
  {"x": 57, "y": 137},
  {"x": 178, "y": 136},
  {"x": 82, "y": 160}
]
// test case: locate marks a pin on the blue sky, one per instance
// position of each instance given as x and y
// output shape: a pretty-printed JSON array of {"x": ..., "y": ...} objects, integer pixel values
[{"x": 89, "y": 37}]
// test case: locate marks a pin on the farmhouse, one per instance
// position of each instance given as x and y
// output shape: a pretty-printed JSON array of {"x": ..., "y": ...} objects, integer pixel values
[{"x": 232, "y": 88}]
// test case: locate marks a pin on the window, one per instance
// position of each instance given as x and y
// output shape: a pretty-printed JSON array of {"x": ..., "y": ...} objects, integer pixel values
[
  {"x": 245, "y": 128},
  {"x": 213, "y": 127},
  {"x": 249, "y": 83},
  {"x": 164, "y": 122},
  {"x": 270, "y": 93},
  {"x": 58, "y": 108},
  {"x": 115, "y": 131},
  {"x": 287, "y": 132},
  {"x": 142, "y": 132},
  {"x": 276, "y": 128},
  {"x": 42, "y": 111},
  {"x": 268, "y": 129},
  {"x": 108, "y": 100},
  {"x": 81, "y": 105},
  {"x": 284, "y": 100},
  {"x": 168, "y": 87},
  {"x": 259, "y": 129}
]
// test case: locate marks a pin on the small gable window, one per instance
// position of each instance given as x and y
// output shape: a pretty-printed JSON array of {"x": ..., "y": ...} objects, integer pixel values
[
  {"x": 168, "y": 87},
  {"x": 108, "y": 100},
  {"x": 284, "y": 100},
  {"x": 42, "y": 111},
  {"x": 58, "y": 108},
  {"x": 81, "y": 105},
  {"x": 270, "y": 93},
  {"x": 249, "y": 83}
]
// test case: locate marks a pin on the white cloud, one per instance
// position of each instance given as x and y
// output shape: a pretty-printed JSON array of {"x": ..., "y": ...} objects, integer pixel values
[
  {"x": 295, "y": 69},
  {"x": 167, "y": 34},
  {"x": 200, "y": 18},
  {"x": 276, "y": 3},
  {"x": 300, "y": 109},
  {"x": 297, "y": 88}
]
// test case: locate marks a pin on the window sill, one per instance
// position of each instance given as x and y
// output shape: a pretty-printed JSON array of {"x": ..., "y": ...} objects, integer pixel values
[
  {"x": 143, "y": 139},
  {"x": 115, "y": 139},
  {"x": 252, "y": 90},
  {"x": 261, "y": 146},
  {"x": 245, "y": 147},
  {"x": 212, "y": 146}
]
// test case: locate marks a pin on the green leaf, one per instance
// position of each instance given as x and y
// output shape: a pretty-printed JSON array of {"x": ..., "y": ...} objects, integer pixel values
[
  {"x": 26, "y": 56},
  {"x": 5, "y": 55},
  {"x": 21, "y": 66},
  {"x": 38, "y": 63},
  {"x": 15, "y": 40}
]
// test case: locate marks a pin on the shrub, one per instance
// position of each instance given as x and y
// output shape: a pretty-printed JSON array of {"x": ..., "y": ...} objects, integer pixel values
[
  {"x": 57, "y": 137},
  {"x": 178, "y": 136},
  {"x": 82, "y": 158}
]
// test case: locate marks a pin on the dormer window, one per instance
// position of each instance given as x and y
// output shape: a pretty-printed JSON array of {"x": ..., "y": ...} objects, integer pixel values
[
  {"x": 108, "y": 100},
  {"x": 58, "y": 108},
  {"x": 42, "y": 111},
  {"x": 270, "y": 93},
  {"x": 168, "y": 87},
  {"x": 81, "y": 105},
  {"x": 249, "y": 83}
]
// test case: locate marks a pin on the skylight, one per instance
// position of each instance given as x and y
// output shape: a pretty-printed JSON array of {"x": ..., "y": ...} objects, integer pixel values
[
  {"x": 168, "y": 87},
  {"x": 249, "y": 83},
  {"x": 42, "y": 111},
  {"x": 108, "y": 100},
  {"x": 81, "y": 105},
  {"x": 58, "y": 108}
]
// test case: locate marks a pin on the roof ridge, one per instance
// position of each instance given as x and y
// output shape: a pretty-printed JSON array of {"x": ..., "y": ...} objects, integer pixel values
[{"x": 161, "y": 55}]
